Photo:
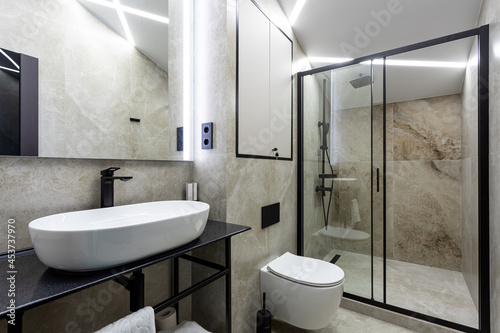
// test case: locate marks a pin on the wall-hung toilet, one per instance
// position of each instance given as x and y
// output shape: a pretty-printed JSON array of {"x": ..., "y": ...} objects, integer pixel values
[{"x": 302, "y": 291}]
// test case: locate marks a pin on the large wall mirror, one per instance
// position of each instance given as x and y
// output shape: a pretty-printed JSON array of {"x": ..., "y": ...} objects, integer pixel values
[{"x": 115, "y": 77}]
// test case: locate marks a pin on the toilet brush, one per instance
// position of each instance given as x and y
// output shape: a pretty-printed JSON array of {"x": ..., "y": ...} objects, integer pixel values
[{"x": 263, "y": 318}]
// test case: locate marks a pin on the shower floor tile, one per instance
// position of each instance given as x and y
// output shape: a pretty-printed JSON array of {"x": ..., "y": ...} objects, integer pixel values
[{"x": 432, "y": 291}]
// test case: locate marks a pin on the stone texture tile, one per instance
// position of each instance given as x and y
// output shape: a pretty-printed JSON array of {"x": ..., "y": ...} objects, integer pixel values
[
  {"x": 427, "y": 214},
  {"x": 346, "y": 321},
  {"x": 437, "y": 292}
]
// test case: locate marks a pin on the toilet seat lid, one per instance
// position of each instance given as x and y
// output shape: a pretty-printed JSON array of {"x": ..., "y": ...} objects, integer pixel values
[{"x": 307, "y": 271}]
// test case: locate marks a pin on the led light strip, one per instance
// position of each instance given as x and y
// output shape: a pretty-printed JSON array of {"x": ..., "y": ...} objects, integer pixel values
[
  {"x": 121, "y": 9},
  {"x": 9, "y": 69},
  {"x": 393, "y": 62},
  {"x": 296, "y": 11},
  {"x": 131, "y": 10},
  {"x": 123, "y": 21},
  {"x": 187, "y": 80}
]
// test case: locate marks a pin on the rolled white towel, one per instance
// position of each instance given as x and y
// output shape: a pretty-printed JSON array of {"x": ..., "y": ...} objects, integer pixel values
[
  {"x": 355, "y": 211},
  {"x": 142, "y": 321},
  {"x": 186, "y": 327}
]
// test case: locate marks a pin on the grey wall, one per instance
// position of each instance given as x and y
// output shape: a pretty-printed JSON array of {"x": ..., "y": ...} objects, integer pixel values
[
  {"x": 237, "y": 188},
  {"x": 469, "y": 184},
  {"x": 490, "y": 14}
]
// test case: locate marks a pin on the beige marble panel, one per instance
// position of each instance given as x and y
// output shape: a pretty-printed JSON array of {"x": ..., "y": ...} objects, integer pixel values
[
  {"x": 428, "y": 129},
  {"x": 427, "y": 215},
  {"x": 352, "y": 135}
]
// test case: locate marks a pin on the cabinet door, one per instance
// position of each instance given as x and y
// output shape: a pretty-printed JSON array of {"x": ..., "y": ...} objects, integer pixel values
[
  {"x": 280, "y": 105},
  {"x": 264, "y": 97},
  {"x": 253, "y": 78}
]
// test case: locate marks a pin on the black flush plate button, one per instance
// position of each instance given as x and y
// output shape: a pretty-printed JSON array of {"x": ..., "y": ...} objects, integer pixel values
[{"x": 270, "y": 215}]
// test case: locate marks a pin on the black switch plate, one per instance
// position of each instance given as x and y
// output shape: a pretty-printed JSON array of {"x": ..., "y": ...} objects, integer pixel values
[
  {"x": 207, "y": 137},
  {"x": 180, "y": 138},
  {"x": 270, "y": 215}
]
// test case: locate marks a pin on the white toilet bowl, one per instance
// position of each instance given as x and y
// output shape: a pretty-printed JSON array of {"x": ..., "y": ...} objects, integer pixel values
[{"x": 301, "y": 291}]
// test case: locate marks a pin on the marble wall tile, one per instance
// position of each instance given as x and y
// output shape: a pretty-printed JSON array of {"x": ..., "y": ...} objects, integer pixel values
[
  {"x": 428, "y": 129},
  {"x": 36, "y": 187},
  {"x": 253, "y": 183},
  {"x": 313, "y": 206},
  {"x": 427, "y": 215},
  {"x": 211, "y": 105},
  {"x": 470, "y": 239},
  {"x": 408, "y": 124},
  {"x": 351, "y": 129},
  {"x": 490, "y": 15},
  {"x": 95, "y": 307}
]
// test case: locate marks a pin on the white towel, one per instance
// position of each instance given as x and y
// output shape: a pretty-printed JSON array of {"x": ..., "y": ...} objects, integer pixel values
[
  {"x": 142, "y": 321},
  {"x": 186, "y": 327},
  {"x": 355, "y": 211}
]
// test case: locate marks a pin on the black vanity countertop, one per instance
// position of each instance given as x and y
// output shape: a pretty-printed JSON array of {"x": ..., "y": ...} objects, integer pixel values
[{"x": 37, "y": 284}]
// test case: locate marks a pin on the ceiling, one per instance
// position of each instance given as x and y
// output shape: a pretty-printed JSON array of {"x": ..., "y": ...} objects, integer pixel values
[
  {"x": 354, "y": 28},
  {"x": 341, "y": 29},
  {"x": 149, "y": 35}
]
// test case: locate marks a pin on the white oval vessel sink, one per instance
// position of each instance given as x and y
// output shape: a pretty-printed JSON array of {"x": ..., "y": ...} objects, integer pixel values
[{"x": 100, "y": 238}]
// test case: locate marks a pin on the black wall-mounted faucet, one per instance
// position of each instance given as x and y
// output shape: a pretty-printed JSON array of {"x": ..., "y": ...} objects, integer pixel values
[{"x": 107, "y": 188}]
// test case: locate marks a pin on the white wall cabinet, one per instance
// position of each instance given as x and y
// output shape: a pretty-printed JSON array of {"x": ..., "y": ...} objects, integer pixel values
[{"x": 264, "y": 91}]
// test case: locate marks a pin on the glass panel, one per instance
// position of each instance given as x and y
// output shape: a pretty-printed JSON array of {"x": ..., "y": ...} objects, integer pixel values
[
  {"x": 432, "y": 181},
  {"x": 378, "y": 184},
  {"x": 337, "y": 143}
]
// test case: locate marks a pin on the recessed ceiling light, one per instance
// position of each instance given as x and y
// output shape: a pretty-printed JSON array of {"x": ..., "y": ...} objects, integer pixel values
[
  {"x": 296, "y": 11},
  {"x": 329, "y": 60},
  {"x": 420, "y": 63},
  {"x": 394, "y": 62}
]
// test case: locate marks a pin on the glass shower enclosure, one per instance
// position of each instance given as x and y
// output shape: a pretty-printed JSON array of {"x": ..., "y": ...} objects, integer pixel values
[{"x": 393, "y": 180}]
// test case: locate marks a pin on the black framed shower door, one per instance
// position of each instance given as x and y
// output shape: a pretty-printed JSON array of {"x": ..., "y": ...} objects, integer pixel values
[{"x": 378, "y": 167}]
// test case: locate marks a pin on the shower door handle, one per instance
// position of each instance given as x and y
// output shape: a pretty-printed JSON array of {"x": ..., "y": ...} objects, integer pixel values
[{"x": 377, "y": 179}]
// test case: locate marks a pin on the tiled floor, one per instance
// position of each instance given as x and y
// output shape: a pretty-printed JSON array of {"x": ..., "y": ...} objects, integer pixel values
[
  {"x": 433, "y": 291},
  {"x": 345, "y": 322}
]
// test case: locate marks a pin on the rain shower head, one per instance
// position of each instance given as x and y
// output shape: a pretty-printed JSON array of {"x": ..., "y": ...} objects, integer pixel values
[{"x": 361, "y": 81}]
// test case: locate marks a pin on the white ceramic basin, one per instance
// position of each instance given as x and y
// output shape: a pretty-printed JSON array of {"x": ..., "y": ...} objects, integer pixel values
[{"x": 100, "y": 238}]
